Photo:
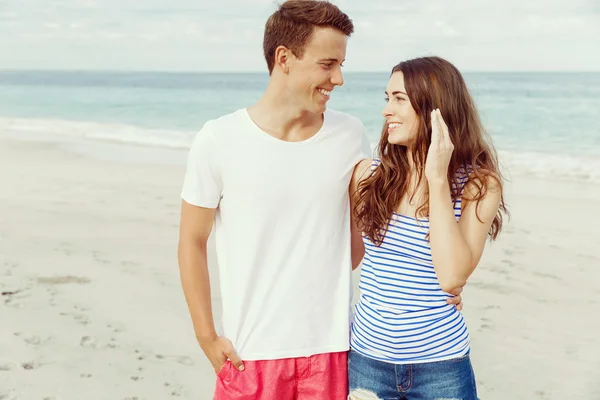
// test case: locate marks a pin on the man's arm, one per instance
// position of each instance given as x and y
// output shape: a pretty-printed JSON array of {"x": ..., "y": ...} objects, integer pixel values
[
  {"x": 357, "y": 244},
  {"x": 195, "y": 227}
]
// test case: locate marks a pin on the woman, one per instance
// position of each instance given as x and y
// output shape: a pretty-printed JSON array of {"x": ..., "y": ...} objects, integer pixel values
[{"x": 425, "y": 209}]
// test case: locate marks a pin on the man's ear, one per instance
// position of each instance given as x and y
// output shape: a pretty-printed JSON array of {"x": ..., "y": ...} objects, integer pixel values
[{"x": 282, "y": 58}]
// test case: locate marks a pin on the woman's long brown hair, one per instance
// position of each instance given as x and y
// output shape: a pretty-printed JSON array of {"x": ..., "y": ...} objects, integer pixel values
[{"x": 430, "y": 82}]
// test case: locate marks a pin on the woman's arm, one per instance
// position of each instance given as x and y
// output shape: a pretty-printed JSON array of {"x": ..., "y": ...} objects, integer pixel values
[{"x": 456, "y": 248}]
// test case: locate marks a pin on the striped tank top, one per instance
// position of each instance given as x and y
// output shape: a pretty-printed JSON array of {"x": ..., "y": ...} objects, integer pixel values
[{"x": 402, "y": 316}]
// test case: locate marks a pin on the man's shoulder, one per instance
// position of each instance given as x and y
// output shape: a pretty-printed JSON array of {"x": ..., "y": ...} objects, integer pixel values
[
  {"x": 225, "y": 121},
  {"x": 351, "y": 131},
  {"x": 216, "y": 131},
  {"x": 345, "y": 119}
]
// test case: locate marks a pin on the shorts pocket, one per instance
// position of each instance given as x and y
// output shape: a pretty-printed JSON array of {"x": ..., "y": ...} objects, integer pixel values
[{"x": 225, "y": 371}]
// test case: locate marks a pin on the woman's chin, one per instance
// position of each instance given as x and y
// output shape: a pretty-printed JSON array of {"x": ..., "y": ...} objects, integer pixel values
[{"x": 397, "y": 140}]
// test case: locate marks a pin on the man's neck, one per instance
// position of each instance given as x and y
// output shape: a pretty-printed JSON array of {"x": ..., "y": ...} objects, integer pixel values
[{"x": 281, "y": 117}]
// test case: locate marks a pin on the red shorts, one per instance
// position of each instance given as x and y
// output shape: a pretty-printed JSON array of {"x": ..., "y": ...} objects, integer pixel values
[{"x": 318, "y": 377}]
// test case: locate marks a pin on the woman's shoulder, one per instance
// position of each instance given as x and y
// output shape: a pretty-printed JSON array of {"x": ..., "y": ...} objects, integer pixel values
[
  {"x": 472, "y": 179},
  {"x": 361, "y": 169}
]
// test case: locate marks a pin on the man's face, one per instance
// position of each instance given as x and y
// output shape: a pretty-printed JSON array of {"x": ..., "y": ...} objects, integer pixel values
[{"x": 312, "y": 78}]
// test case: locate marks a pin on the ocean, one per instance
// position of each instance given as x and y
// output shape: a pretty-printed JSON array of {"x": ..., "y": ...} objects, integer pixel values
[{"x": 544, "y": 125}]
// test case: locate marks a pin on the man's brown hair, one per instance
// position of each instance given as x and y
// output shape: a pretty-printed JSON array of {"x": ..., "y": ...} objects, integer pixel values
[{"x": 293, "y": 23}]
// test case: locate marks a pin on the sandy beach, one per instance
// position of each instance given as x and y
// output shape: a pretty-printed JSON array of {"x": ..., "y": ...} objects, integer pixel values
[{"x": 91, "y": 305}]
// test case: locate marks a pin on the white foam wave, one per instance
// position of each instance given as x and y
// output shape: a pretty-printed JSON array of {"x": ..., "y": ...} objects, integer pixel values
[
  {"x": 538, "y": 165},
  {"x": 548, "y": 166},
  {"x": 551, "y": 166},
  {"x": 113, "y": 132}
]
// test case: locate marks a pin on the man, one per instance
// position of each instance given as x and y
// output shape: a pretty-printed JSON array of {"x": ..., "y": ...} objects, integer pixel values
[{"x": 274, "y": 178}]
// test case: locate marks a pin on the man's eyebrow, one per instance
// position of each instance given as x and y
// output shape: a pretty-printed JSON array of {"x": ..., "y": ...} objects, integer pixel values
[
  {"x": 396, "y": 92},
  {"x": 330, "y": 60}
]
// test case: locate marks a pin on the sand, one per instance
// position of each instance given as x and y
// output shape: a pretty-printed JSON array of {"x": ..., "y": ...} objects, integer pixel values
[{"x": 91, "y": 305}]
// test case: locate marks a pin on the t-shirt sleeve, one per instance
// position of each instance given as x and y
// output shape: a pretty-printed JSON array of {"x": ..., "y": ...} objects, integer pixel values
[
  {"x": 202, "y": 185},
  {"x": 366, "y": 149},
  {"x": 362, "y": 146}
]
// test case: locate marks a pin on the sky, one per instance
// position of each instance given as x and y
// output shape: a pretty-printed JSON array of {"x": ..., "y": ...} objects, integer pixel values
[{"x": 226, "y": 35}]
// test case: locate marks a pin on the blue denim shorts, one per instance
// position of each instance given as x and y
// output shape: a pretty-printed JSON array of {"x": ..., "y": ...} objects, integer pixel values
[{"x": 370, "y": 379}]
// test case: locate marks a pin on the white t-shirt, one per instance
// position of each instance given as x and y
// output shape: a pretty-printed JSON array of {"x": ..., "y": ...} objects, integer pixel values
[{"x": 282, "y": 231}]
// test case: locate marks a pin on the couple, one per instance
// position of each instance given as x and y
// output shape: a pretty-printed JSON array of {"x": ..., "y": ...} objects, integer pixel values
[{"x": 297, "y": 204}]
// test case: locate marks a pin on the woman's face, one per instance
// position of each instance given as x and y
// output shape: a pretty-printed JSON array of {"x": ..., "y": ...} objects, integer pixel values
[{"x": 401, "y": 118}]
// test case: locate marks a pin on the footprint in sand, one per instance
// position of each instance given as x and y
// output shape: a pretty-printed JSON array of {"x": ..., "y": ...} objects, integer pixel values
[
  {"x": 130, "y": 263},
  {"x": 176, "y": 390},
  {"x": 63, "y": 280},
  {"x": 130, "y": 267},
  {"x": 9, "y": 268},
  {"x": 140, "y": 357},
  {"x": 12, "y": 296},
  {"x": 545, "y": 275},
  {"x": 33, "y": 340},
  {"x": 10, "y": 293},
  {"x": 115, "y": 329},
  {"x": 100, "y": 257},
  {"x": 499, "y": 270},
  {"x": 513, "y": 251},
  {"x": 508, "y": 262},
  {"x": 483, "y": 385},
  {"x": 51, "y": 291},
  {"x": 541, "y": 394},
  {"x": 81, "y": 319},
  {"x": 112, "y": 344},
  {"x": 491, "y": 307},
  {"x": 4, "y": 367},
  {"x": 66, "y": 248},
  {"x": 88, "y": 342},
  {"x": 29, "y": 365},
  {"x": 183, "y": 360}
]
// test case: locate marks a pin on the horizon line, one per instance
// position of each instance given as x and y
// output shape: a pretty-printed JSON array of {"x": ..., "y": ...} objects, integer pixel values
[{"x": 134, "y": 71}]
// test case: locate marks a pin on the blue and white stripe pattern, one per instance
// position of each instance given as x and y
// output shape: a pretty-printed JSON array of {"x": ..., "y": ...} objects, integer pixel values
[{"x": 402, "y": 316}]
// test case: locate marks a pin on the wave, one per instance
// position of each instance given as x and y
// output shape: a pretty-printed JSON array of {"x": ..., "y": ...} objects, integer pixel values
[
  {"x": 567, "y": 167},
  {"x": 549, "y": 166},
  {"x": 112, "y": 132}
]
